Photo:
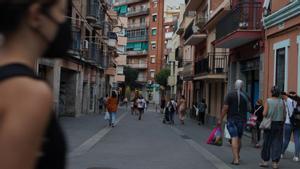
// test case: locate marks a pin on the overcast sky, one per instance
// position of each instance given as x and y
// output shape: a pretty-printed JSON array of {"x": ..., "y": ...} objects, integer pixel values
[{"x": 173, "y": 2}]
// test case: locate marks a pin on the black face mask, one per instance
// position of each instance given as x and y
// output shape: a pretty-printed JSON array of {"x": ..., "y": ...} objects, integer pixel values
[{"x": 60, "y": 45}]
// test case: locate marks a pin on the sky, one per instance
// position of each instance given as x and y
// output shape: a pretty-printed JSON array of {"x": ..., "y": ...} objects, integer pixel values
[{"x": 173, "y": 2}]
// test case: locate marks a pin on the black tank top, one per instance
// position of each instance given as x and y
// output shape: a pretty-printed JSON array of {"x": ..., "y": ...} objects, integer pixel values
[{"x": 53, "y": 151}]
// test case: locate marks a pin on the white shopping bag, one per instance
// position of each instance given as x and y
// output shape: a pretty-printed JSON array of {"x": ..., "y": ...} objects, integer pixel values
[
  {"x": 106, "y": 116},
  {"x": 226, "y": 133}
]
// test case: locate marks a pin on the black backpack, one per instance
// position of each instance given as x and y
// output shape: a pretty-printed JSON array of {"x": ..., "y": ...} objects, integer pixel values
[{"x": 295, "y": 118}]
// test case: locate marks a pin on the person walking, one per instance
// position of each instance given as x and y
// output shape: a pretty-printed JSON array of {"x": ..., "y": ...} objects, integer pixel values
[
  {"x": 273, "y": 137},
  {"x": 105, "y": 101},
  {"x": 30, "y": 134},
  {"x": 256, "y": 131},
  {"x": 201, "y": 108},
  {"x": 172, "y": 110},
  {"x": 141, "y": 104},
  {"x": 162, "y": 105},
  {"x": 125, "y": 100},
  {"x": 236, "y": 106},
  {"x": 182, "y": 109},
  {"x": 290, "y": 106},
  {"x": 112, "y": 108}
]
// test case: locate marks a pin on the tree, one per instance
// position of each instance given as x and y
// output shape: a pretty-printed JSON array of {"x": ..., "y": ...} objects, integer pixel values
[
  {"x": 130, "y": 76},
  {"x": 162, "y": 77}
]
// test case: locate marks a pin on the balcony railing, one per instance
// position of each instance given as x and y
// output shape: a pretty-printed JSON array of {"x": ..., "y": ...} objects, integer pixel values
[
  {"x": 143, "y": 11},
  {"x": 76, "y": 42},
  {"x": 93, "y": 10},
  {"x": 188, "y": 32},
  {"x": 138, "y": 38},
  {"x": 138, "y": 26},
  {"x": 126, "y": 2},
  {"x": 93, "y": 52},
  {"x": 138, "y": 66},
  {"x": 244, "y": 16},
  {"x": 136, "y": 53},
  {"x": 142, "y": 79},
  {"x": 200, "y": 21},
  {"x": 215, "y": 63}
]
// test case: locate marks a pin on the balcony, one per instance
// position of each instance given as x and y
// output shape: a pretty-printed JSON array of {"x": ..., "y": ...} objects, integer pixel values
[
  {"x": 192, "y": 5},
  {"x": 141, "y": 79},
  {"x": 139, "y": 66},
  {"x": 76, "y": 42},
  {"x": 93, "y": 10},
  {"x": 94, "y": 53},
  {"x": 137, "y": 53},
  {"x": 200, "y": 21},
  {"x": 215, "y": 66},
  {"x": 100, "y": 22},
  {"x": 192, "y": 37},
  {"x": 141, "y": 38},
  {"x": 241, "y": 26},
  {"x": 138, "y": 26},
  {"x": 126, "y": 2},
  {"x": 144, "y": 11}
]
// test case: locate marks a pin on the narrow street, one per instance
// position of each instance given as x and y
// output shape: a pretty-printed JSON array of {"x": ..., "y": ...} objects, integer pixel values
[{"x": 149, "y": 144}]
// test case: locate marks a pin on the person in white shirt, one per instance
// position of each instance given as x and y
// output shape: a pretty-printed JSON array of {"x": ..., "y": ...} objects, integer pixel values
[
  {"x": 142, "y": 105},
  {"x": 172, "y": 108},
  {"x": 290, "y": 105}
]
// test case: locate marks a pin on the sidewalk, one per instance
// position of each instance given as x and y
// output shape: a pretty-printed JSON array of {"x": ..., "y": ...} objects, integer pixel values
[
  {"x": 79, "y": 129},
  {"x": 250, "y": 157}
]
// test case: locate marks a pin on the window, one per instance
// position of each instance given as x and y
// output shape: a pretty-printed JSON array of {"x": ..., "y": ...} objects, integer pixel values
[
  {"x": 154, "y": 31},
  {"x": 154, "y": 17},
  {"x": 153, "y": 60},
  {"x": 142, "y": 20},
  {"x": 153, "y": 44},
  {"x": 280, "y": 69},
  {"x": 152, "y": 73}
]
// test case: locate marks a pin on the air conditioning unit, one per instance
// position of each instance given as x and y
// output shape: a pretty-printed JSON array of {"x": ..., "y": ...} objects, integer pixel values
[{"x": 85, "y": 44}]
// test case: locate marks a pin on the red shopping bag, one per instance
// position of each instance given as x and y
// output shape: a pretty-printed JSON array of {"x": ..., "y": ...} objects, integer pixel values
[{"x": 215, "y": 137}]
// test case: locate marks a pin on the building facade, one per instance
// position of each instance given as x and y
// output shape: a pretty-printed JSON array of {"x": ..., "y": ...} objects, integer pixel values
[
  {"x": 144, "y": 36},
  {"x": 282, "y": 45},
  {"x": 81, "y": 79}
]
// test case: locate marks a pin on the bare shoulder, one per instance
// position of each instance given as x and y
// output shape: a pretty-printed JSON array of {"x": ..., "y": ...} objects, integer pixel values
[{"x": 25, "y": 93}]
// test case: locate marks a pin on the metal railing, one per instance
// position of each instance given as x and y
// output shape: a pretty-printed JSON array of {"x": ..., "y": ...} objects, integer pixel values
[
  {"x": 215, "y": 63},
  {"x": 125, "y": 2},
  {"x": 189, "y": 31},
  {"x": 244, "y": 16},
  {"x": 137, "y": 26},
  {"x": 200, "y": 21},
  {"x": 138, "y": 38},
  {"x": 134, "y": 53},
  {"x": 93, "y": 9},
  {"x": 143, "y": 11},
  {"x": 138, "y": 66}
]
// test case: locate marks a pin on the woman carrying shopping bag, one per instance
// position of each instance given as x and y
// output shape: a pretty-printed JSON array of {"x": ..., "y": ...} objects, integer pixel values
[{"x": 272, "y": 125}]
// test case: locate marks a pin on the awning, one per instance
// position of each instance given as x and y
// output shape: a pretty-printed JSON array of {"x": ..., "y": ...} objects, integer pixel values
[{"x": 195, "y": 39}]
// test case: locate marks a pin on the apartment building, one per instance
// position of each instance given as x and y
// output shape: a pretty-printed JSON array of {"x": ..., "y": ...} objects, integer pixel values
[
  {"x": 144, "y": 36},
  {"x": 80, "y": 79},
  {"x": 282, "y": 45},
  {"x": 171, "y": 15}
]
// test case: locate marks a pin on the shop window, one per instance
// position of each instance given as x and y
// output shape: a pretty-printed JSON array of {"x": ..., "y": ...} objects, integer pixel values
[{"x": 280, "y": 69}]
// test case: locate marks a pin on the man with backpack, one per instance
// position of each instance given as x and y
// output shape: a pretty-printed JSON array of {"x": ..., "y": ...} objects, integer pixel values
[
  {"x": 172, "y": 109},
  {"x": 292, "y": 123}
]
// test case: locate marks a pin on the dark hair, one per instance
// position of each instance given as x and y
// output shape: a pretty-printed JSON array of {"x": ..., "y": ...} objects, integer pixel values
[
  {"x": 182, "y": 97},
  {"x": 275, "y": 91},
  {"x": 12, "y": 12},
  {"x": 114, "y": 94},
  {"x": 284, "y": 94}
]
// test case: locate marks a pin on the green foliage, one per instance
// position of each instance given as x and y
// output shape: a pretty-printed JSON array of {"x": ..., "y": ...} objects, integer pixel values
[
  {"x": 131, "y": 76},
  {"x": 162, "y": 77}
]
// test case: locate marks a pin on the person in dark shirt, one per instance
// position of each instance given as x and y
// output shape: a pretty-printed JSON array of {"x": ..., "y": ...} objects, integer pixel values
[
  {"x": 256, "y": 132},
  {"x": 236, "y": 106}
]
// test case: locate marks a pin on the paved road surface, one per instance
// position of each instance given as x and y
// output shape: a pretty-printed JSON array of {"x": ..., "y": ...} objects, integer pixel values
[{"x": 149, "y": 144}]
